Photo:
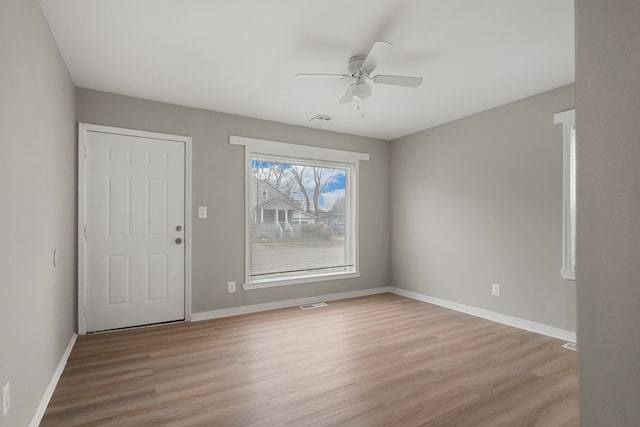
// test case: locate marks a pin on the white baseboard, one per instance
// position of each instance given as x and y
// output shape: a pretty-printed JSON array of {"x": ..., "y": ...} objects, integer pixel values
[
  {"x": 42, "y": 407},
  {"x": 246, "y": 309},
  {"x": 516, "y": 322}
]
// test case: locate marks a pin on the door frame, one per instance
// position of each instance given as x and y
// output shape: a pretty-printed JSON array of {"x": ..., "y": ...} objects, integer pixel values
[{"x": 83, "y": 130}]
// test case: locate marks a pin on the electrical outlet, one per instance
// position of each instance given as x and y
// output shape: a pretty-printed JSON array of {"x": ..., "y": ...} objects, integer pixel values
[
  {"x": 6, "y": 398},
  {"x": 495, "y": 289},
  {"x": 231, "y": 287}
]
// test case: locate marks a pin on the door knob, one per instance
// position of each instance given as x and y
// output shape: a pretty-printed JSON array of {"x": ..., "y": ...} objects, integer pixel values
[
  {"x": 178, "y": 228},
  {"x": 178, "y": 241}
]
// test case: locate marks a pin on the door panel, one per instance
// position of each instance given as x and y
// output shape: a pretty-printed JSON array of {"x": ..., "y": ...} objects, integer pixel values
[{"x": 135, "y": 203}]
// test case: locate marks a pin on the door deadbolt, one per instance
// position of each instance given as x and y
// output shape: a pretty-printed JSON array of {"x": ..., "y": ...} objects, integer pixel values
[
  {"x": 178, "y": 241},
  {"x": 178, "y": 228}
]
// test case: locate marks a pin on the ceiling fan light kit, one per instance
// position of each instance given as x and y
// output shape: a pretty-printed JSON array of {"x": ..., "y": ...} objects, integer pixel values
[
  {"x": 360, "y": 67},
  {"x": 360, "y": 91}
]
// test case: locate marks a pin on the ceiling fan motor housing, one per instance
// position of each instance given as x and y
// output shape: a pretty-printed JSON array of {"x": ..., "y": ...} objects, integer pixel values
[{"x": 355, "y": 62}]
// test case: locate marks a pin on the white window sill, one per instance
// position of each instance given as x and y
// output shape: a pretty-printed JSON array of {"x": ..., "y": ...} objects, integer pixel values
[
  {"x": 568, "y": 274},
  {"x": 272, "y": 283}
]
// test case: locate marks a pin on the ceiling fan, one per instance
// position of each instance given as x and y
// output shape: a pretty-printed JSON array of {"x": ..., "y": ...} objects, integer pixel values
[{"x": 360, "y": 68}]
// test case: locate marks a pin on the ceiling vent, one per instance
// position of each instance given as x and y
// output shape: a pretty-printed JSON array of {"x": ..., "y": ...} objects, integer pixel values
[{"x": 321, "y": 118}]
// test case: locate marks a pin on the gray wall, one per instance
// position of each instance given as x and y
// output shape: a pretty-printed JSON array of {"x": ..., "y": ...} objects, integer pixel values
[
  {"x": 608, "y": 236},
  {"x": 479, "y": 201},
  {"x": 218, "y": 182},
  {"x": 37, "y": 188}
]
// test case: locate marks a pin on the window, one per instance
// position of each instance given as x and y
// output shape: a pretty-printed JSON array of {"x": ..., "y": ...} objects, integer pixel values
[
  {"x": 569, "y": 162},
  {"x": 301, "y": 213}
]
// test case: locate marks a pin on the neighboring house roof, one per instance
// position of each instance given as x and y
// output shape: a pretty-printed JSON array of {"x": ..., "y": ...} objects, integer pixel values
[
  {"x": 274, "y": 198},
  {"x": 338, "y": 207}
]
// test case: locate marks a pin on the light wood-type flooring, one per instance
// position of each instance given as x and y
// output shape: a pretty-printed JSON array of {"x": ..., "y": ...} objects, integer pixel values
[{"x": 371, "y": 361}]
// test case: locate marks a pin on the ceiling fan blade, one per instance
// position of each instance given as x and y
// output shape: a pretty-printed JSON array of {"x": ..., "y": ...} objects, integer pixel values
[
  {"x": 405, "y": 81},
  {"x": 378, "y": 50},
  {"x": 348, "y": 96},
  {"x": 322, "y": 76}
]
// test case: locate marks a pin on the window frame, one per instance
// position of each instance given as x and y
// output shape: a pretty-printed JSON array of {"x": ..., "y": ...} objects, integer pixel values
[
  {"x": 313, "y": 155},
  {"x": 568, "y": 121}
]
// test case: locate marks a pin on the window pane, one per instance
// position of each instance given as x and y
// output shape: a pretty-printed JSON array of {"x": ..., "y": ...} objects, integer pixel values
[
  {"x": 299, "y": 213},
  {"x": 569, "y": 167}
]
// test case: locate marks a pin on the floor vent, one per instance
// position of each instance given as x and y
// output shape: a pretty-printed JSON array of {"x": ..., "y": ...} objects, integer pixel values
[
  {"x": 571, "y": 346},
  {"x": 314, "y": 305}
]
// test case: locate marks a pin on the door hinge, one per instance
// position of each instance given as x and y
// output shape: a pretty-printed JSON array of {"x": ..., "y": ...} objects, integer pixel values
[
  {"x": 85, "y": 151},
  {"x": 85, "y": 311},
  {"x": 85, "y": 234}
]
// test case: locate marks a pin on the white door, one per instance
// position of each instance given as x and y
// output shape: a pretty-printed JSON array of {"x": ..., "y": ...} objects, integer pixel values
[{"x": 134, "y": 215}]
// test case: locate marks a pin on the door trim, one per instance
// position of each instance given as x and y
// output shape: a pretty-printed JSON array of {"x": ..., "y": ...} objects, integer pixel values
[{"x": 83, "y": 130}]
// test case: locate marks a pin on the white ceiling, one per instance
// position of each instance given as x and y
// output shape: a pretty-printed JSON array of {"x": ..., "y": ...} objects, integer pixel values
[{"x": 241, "y": 56}]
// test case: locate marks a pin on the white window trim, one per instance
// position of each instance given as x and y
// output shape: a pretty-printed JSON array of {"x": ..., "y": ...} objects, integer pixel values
[
  {"x": 253, "y": 147},
  {"x": 568, "y": 121}
]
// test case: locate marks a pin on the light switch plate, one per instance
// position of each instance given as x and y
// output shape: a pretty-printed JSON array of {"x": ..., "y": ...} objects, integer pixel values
[{"x": 202, "y": 212}]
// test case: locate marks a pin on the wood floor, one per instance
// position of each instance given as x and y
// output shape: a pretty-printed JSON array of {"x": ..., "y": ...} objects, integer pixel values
[{"x": 372, "y": 361}]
